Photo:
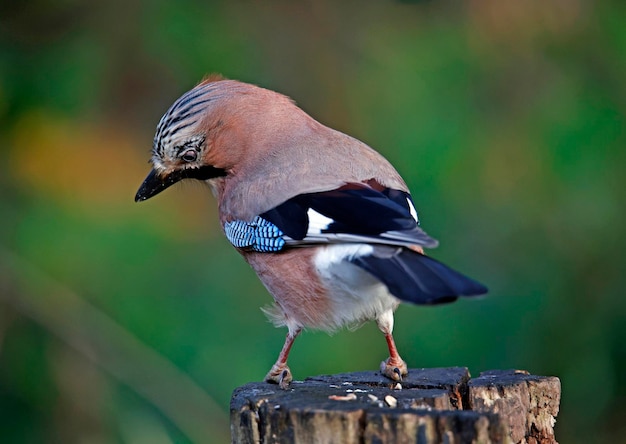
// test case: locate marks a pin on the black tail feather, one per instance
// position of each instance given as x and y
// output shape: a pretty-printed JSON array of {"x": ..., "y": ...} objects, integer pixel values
[{"x": 416, "y": 278}]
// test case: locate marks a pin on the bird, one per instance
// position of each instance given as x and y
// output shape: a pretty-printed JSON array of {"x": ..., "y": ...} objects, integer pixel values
[{"x": 325, "y": 221}]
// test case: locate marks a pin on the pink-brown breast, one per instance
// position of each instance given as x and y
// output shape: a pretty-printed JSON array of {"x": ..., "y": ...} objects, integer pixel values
[{"x": 297, "y": 290}]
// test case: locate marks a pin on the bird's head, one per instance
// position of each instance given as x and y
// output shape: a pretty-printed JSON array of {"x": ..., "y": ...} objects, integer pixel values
[
  {"x": 184, "y": 140},
  {"x": 241, "y": 138}
]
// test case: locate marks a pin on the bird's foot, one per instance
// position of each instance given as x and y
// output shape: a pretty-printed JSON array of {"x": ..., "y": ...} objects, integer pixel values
[
  {"x": 279, "y": 374},
  {"x": 394, "y": 369}
]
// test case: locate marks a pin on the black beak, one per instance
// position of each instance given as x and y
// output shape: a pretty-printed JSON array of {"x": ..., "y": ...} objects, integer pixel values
[{"x": 154, "y": 184}]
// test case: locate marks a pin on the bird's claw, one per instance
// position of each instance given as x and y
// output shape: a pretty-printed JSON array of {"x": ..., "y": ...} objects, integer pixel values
[
  {"x": 281, "y": 375},
  {"x": 394, "y": 369}
]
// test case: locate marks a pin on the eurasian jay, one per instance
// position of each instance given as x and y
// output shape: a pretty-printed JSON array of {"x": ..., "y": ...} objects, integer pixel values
[{"x": 326, "y": 222}]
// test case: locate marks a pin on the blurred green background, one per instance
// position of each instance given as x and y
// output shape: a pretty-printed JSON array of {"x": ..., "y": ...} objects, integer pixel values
[{"x": 132, "y": 323}]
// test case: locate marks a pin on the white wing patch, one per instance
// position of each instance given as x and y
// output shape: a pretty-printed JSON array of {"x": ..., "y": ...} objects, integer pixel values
[
  {"x": 317, "y": 222},
  {"x": 412, "y": 209}
]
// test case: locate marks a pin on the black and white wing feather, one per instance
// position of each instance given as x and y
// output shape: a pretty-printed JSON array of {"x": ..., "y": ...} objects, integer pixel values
[{"x": 355, "y": 213}]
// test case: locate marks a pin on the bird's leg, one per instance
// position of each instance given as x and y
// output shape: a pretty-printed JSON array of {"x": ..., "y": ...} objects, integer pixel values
[
  {"x": 280, "y": 373},
  {"x": 394, "y": 367}
]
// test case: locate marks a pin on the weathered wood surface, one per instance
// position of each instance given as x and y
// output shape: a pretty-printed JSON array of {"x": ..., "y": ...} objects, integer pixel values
[
  {"x": 439, "y": 405},
  {"x": 530, "y": 403}
]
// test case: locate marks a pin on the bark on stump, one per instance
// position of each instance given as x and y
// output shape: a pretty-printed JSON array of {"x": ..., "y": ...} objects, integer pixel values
[{"x": 437, "y": 405}]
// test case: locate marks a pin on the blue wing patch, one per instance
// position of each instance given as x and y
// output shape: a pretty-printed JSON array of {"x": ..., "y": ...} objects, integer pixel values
[{"x": 259, "y": 235}]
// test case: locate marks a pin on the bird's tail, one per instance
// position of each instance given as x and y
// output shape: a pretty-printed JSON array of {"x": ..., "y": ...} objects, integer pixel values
[{"x": 416, "y": 278}]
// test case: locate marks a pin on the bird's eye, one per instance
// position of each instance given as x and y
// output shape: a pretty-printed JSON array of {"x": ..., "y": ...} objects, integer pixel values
[{"x": 189, "y": 155}]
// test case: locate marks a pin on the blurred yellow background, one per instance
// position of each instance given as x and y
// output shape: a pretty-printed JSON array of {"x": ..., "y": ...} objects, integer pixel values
[{"x": 124, "y": 322}]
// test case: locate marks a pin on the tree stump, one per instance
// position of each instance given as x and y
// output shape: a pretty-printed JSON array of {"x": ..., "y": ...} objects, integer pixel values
[{"x": 438, "y": 405}]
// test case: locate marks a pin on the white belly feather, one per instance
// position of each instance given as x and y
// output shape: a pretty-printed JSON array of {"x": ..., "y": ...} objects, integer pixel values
[{"x": 355, "y": 295}]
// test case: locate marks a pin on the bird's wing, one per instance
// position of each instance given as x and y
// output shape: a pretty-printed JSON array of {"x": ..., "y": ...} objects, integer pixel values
[
  {"x": 353, "y": 213},
  {"x": 356, "y": 213}
]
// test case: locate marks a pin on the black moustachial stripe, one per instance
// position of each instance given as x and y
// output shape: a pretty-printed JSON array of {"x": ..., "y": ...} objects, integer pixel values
[{"x": 154, "y": 184}]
